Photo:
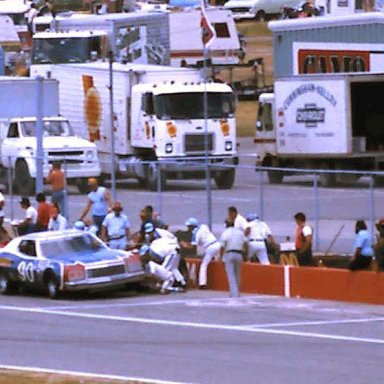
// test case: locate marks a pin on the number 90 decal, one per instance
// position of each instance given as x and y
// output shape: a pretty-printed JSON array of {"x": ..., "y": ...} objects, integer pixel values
[{"x": 26, "y": 271}]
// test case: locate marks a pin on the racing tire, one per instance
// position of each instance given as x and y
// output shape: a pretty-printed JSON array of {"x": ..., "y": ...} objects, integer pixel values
[
  {"x": 153, "y": 175},
  {"x": 7, "y": 286},
  {"x": 24, "y": 183},
  {"x": 52, "y": 287},
  {"x": 225, "y": 179},
  {"x": 82, "y": 185}
]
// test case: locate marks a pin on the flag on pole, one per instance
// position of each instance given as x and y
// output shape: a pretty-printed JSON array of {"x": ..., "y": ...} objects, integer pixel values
[{"x": 208, "y": 33}]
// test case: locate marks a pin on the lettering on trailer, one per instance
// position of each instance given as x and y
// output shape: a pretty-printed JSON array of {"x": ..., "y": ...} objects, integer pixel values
[
  {"x": 309, "y": 88},
  {"x": 310, "y": 115}
]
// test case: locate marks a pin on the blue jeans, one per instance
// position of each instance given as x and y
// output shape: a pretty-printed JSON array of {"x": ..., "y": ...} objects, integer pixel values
[{"x": 59, "y": 198}]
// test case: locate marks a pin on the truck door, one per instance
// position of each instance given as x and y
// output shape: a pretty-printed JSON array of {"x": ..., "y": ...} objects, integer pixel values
[
  {"x": 265, "y": 136},
  {"x": 9, "y": 145}
]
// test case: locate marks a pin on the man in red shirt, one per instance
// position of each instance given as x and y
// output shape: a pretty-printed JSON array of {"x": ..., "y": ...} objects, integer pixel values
[{"x": 43, "y": 212}]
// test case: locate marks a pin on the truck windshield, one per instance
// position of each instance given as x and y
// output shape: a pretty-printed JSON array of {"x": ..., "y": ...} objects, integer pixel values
[
  {"x": 191, "y": 105},
  {"x": 50, "y": 128},
  {"x": 65, "y": 50},
  {"x": 83, "y": 243}
]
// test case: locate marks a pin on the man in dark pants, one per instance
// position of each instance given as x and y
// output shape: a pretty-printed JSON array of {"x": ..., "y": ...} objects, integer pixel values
[{"x": 303, "y": 240}]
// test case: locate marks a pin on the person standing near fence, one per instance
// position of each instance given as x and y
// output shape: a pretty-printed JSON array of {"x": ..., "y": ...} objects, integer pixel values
[
  {"x": 238, "y": 220},
  {"x": 56, "y": 178},
  {"x": 363, "y": 247},
  {"x": 303, "y": 241},
  {"x": 202, "y": 236},
  {"x": 99, "y": 200},
  {"x": 233, "y": 248}
]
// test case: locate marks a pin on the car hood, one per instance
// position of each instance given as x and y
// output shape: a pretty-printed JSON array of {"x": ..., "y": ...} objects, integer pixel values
[{"x": 89, "y": 257}]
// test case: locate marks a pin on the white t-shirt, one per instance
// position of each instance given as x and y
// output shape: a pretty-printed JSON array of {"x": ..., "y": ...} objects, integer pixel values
[
  {"x": 240, "y": 222},
  {"x": 203, "y": 236},
  {"x": 31, "y": 213},
  {"x": 307, "y": 231},
  {"x": 258, "y": 230},
  {"x": 57, "y": 225}
]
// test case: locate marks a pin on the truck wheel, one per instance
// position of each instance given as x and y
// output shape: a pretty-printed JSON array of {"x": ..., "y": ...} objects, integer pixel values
[
  {"x": 327, "y": 180},
  {"x": 82, "y": 185},
  {"x": 225, "y": 179},
  {"x": 24, "y": 183},
  {"x": 52, "y": 286},
  {"x": 260, "y": 16},
  {"x": 275, "y": 177},
  {"x": 153, "y": 175}
]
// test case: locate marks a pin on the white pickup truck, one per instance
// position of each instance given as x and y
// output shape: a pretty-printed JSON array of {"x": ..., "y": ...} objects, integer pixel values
[
  {"x": 19, "y": 147},
  {"x": 18, "y": 142}
]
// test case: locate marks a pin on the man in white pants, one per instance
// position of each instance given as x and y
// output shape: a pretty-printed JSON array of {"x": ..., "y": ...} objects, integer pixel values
[
  {"x": 258, "y": 234},
  {"x": 164, "y": 249},
  {"x": 202, "y": 236}
]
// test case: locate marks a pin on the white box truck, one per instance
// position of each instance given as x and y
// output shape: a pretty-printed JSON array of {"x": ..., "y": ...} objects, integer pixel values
[
  {"x": 19, "y": 98},
  {"x": 322, "y": 122},
  {"x": 158, "y": 115}
]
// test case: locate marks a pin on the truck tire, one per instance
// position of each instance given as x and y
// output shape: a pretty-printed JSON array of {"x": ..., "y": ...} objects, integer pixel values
[
  {"x": 24, "y": 183},
  {"x": 326, "y": 180},
  {"x": 82, "y": 185},
  {"x": 153, "y": 175},
  {"x": 260, "y": 16},
  {"x": 275, "y": 177},
  {"x": 225, "y": 179}
]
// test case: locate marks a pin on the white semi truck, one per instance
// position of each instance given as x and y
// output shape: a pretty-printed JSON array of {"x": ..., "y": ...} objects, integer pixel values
[
  {"x": 158, "y": 115},
  {"x": 322, "y": 122},
  {"x": 18, "y": 143}
]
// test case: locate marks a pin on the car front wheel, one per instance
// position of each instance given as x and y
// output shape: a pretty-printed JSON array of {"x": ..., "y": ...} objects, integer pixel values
[
  {"x": 52, "y": 286},
  {"x": 7, "y": 286}
]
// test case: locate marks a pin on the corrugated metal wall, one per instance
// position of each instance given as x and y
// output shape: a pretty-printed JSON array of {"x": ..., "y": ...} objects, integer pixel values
[{"x": 283, "y": 41}]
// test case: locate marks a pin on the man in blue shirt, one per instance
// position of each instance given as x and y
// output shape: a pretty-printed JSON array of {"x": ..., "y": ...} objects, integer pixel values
[{"x": 363, "y": 247}]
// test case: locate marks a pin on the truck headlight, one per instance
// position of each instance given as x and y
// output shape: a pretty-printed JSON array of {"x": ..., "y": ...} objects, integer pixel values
[
  {"x": 89, "y": 155},
  {"x": 228, "y": 146},
  {"x": 168, "y": 148}
]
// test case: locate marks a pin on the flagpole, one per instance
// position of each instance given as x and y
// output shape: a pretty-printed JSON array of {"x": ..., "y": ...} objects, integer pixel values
[
  {"x": 206, "y": 147},
  {"x": 207, "y": 36}
]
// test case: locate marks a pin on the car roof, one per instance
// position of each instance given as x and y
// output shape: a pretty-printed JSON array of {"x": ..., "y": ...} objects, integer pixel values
[{"x": 52, "y": 235}]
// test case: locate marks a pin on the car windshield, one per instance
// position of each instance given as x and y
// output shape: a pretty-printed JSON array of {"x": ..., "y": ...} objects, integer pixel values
[
  {"x": 65, "y": 50},
  {"x": 50, "y": 128},
  {"x": 82, "y": 243},
  {"x": 191, "y": 105}
]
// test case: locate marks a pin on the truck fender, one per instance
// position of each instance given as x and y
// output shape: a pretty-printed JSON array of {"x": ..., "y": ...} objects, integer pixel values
[{"x": 31, "y": 162}]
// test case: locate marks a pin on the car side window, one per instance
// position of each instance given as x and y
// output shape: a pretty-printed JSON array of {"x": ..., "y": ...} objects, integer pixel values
[{"x": 28, "y": 247}]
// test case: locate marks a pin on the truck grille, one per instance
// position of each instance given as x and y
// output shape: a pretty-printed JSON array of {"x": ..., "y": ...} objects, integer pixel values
[
  {"x": 196, "y": 142},
  {"x": 66, "y": 153},
  {"x": 240, "y": 10},
  {"x": 106, "y": 271}
]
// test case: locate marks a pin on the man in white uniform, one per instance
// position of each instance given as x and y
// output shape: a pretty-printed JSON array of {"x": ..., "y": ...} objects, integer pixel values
[
  {"x": 202, "y": 236},
  {"x": 115, "y": 228},
  {"x": 57, "y": 222},
  {"x": 259, "y": 233},
  {"x": 233, "y": 247},
  {"x": 238, "y": 220},
  {"x": 164, "y": 249}
]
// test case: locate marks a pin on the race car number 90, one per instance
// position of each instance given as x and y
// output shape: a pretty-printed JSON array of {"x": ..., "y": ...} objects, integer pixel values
[{"x": 26, "y": 271}]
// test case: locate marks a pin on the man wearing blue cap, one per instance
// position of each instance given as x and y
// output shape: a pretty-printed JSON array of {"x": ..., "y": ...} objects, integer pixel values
[
  {"x": 259, "y": 233},
  {"x": 202, "y": 236}
]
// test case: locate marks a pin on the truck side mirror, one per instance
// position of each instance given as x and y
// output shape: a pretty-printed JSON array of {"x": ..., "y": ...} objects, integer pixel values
[{"x": 147, "y": 103}]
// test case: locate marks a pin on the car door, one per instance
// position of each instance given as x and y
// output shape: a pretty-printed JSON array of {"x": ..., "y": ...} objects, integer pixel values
[{"x": 27, "y": 266}]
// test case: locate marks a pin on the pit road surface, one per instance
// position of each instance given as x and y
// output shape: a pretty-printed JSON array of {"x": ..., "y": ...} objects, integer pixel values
[{"x": 196, "y": 337}]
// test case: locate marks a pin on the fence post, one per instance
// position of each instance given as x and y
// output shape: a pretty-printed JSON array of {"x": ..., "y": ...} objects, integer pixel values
[
  {"x": 159, "y": 191},
  {"x": 316, "y": 211},
  {"x": 372, "y": 204},
  {"x": 261, "y": 200},
  {"x": 10, "y": 186},
  {"x": 66, "y": 208}
]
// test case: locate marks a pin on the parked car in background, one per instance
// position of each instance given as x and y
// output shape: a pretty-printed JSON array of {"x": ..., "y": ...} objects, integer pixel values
[
  {"x": 259, "y": 10},
  {"x": 65, "y": 261}
]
